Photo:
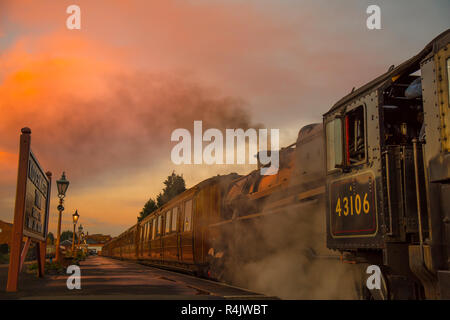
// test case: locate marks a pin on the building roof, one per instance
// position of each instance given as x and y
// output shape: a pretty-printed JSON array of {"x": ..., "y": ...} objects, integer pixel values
[
  {"x": 66, "y": 243},
  {"x": 97, "y": 238}
]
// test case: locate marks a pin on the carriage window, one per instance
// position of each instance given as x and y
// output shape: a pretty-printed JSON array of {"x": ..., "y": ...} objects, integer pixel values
[
  {"x": 168, "y": 221},
  {"x": 153, "y": 229},
  {"x": 174, "y": 219},
  {"x": 354, "y": 131},
  {"x": 187, "y": 215},
  {"x": 160, "y": 229},
  {"x": 149, "y": 231},
  {"x": 334, "y": 143},
  {"x": 144, "y": 232}
]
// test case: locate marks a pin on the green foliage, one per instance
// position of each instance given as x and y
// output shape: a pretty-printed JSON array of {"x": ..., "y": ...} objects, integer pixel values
[
  {"x": 4, "y": 248},
  {"x": 68, "y": 235},
  {"x": 79, "y": 256},
  {"x": 52, "y": 268},
  {"x": 4, "y": 258},
  {"x": 32, "y": 267},
  {"x": 174, "y": 185},
  {"x": 50, "y": 238}
]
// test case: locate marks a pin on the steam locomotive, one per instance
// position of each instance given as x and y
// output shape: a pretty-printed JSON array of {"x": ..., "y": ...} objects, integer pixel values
[{"x": 373, "y": 180}]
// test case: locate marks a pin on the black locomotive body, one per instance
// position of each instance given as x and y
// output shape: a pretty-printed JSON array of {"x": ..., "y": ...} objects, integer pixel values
[{"x": 388, "y": 175}]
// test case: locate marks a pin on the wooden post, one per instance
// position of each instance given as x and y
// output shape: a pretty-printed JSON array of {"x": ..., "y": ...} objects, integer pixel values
[
  {"x": 19, "y": 208},
  {"x": 40, "y": 254},
  {"x": 23, "y": 255},
  {"x": 58, "y": 235},
  {"x": 73, "y": 241}
]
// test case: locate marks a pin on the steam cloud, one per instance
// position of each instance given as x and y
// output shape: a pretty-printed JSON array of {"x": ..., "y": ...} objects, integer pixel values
[
  {"x": 129, "y": 124},
  {"x": 289, "y": 258}
]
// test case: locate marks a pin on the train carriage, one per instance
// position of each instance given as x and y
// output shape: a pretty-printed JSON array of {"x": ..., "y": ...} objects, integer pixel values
[{"x": 175, "y": 235}]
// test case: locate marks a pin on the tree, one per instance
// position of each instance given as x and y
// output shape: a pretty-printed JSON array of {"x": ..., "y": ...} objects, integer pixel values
[
  {"x": 174, "y": 185},
  {"x": 149, "y": 207},
  {"x": 68, "y": 235}
]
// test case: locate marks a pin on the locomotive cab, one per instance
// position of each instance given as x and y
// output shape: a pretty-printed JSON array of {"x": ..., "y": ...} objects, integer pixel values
[{"x": 387, "y": 176}]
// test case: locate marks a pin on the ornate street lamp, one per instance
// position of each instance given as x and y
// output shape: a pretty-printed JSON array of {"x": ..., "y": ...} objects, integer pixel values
[
  {"x": 80, "y": 234},
  {"x": 80, "y": 240},
  {"x": 62, "y": 185},
  {"x": 75, "y": 217}
]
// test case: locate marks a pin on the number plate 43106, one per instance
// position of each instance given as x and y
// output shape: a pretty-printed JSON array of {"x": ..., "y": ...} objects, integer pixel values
[{"x": 352, "y": 206}]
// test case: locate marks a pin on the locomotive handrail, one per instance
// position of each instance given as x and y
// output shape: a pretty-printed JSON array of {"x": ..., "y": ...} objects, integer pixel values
[
  {"x": 311, "y": 193},
  {"x": 388, "y": 184},
  {"x": 419, "y": 211}
]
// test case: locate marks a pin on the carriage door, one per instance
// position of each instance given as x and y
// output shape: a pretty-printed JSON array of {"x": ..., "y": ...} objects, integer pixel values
[
  {"x": 176, "y": 229},
  {"x": 186, "y": 233}
]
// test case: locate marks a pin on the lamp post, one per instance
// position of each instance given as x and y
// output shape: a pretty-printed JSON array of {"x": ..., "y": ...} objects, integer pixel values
[
  {"x": 62, "y": 185},
  {"x": 80, "y": 235},
  {"x": 75, "y": 217},
  {"x": 80, "y": 242},
  {"x": 80, "y": 232}
]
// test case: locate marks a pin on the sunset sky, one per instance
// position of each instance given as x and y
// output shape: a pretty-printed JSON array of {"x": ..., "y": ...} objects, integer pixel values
[{"x": 102, "y": 101}]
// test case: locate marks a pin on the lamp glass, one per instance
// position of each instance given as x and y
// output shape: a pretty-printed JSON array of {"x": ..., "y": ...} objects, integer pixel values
[
  {"x": 62, "y": 185},
  {"x": 75, "y": 216}
]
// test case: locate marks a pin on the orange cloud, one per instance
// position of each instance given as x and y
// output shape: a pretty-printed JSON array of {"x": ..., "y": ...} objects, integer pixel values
[
  {"x": 102, "y": 101},
  {"x": 8, "y": 166},
  {"x": 94, "y": 110},
  {"x": 95, "y": 117}
]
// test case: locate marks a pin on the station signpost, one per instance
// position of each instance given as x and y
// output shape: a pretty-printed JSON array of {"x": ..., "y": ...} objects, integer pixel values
[{"x": 31, "y": 212}]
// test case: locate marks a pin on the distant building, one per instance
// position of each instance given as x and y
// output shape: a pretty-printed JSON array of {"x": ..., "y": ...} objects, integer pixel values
[
  {"x": 65, "y": 246},
  {"x": 5, "y": 232},
  {"x": 95, "y": 242}
]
